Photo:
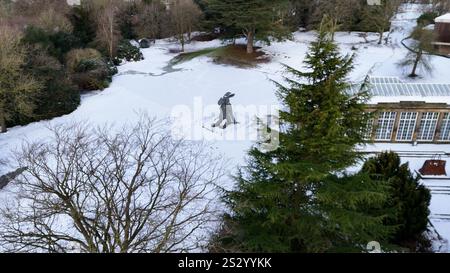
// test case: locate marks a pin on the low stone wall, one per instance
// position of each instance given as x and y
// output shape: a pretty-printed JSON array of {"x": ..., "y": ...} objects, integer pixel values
[
  {"x": 443, "y": 49},
  {"x": 5, "y": 179}
]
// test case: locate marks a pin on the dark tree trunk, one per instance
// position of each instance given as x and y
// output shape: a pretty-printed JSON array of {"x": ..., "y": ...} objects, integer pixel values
[
  {"x": 250, "y": 40},
  {"x": 2, "y": 124},
  {"x": 416, "y": 64},
  {"x": 182, "y": 42},
  {"x": 380, "y": 41}
]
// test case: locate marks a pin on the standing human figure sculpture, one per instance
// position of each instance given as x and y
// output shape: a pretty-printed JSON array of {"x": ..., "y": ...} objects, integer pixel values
[{"x": 226, "y": 116}]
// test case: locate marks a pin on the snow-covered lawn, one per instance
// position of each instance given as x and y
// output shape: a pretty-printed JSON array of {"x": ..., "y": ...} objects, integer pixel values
[{"x": 153, "y": 87}]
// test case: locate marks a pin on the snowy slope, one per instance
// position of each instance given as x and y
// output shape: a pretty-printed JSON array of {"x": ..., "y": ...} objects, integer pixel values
[{"x": 154, "y": 87}]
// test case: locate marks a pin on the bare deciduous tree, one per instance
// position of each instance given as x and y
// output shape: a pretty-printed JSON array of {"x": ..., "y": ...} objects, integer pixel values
[
  {"x": 184, "y": 15},
  {"x": 106, "y": 17},
  {"x": 152, "y": 20},
  {"x": 440, "y": 6},
  {"x": 336, "y": 13},
  {"x": 417, "y": 56},
  {"x": 88, "y": 190},
  {"x": 5, "y": 11},
  {"x": 53, "y": 21},
  {"x": 380, "y": 16},
  {"x": 44, "y": 13}
]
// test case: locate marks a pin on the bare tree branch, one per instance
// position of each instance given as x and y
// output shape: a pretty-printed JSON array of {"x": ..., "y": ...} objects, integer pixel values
[{"x": 89, "y": 190}]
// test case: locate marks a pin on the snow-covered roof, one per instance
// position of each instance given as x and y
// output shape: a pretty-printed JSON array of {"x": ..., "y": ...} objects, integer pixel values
[
  {"x": 73, "y": 2},
  {"x": 410, "y": 89},
  {"x": 430, "y": 27},
  {"x": 443, "y": 19},
  {"x": 394, "y": 87},
  {"x": 375, "y": 80}
]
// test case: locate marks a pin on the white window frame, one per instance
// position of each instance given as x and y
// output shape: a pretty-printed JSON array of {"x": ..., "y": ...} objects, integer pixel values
[
  {"x": 368, "y": 133},
  {"x": 385, "y": 126},
  {"x": 445, "y": 128},
  {"x": 406, "y": 126},
  {"x": 428, "y": 125}
]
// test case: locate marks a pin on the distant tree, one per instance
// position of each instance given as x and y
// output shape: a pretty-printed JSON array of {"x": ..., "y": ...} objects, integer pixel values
[
  {"x": 417, "y": 56},
  {"x": 17, "y": 88},
  {"x": 440, "y": 6},
  {"x": 379, "y": 17},
  {"x": 128, "y": 16},
  {"x": 339, "y": 13},
  {"x": 52, "y": 20},
  {"x": 106, "y": 13},
  {"x": 184, "y": 16},
  {"x": 39, "y": 12},
  {"x": 408, "y": 198},
  {"x": 5, "y": 10},
  {"x": 255, "y": 19},
  {"x": 83, "y": 23},
  {"x": 92, "y": 190},
  {"x": 193, "y": 17},
  {"x": 215, "y": 23},
  {"x": 152, "y": 20},
  {"x": 329, "y": 24},
  {"x": 298, "y": 13}
]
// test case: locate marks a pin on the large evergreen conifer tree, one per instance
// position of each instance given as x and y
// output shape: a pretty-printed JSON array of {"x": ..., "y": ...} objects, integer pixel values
[
  {"x": 256, "y": 19},
  {"x": 298, "y": 197}
]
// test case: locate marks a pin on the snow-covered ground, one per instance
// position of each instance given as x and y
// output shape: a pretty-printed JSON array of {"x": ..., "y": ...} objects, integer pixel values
[{"x": 190, "y": 91}]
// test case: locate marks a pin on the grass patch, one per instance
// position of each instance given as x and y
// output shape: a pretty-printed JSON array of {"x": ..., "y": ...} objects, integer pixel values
[
  {"x": 235, "y": 55},
  {"x": 185, "y": 57}
]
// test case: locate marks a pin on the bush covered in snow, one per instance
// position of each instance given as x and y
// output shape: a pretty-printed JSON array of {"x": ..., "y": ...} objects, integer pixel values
[
  {"x": 128, "y": 52},
  {"x": 408, "y": 199}
]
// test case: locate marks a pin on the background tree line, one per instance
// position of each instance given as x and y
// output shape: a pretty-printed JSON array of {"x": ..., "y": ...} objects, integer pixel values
[
  {"x": 52, "y": 51},
  {"x": 62, "y": 50}
]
